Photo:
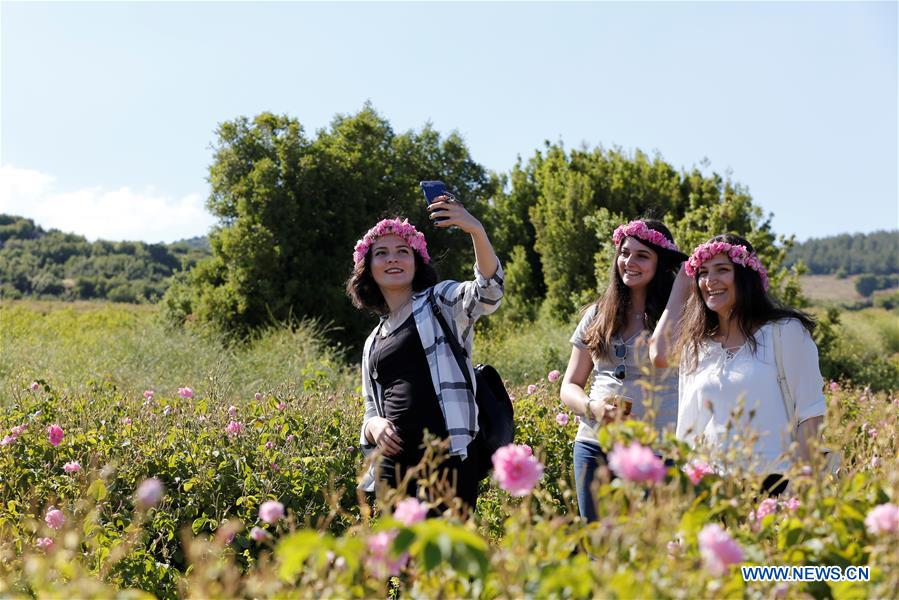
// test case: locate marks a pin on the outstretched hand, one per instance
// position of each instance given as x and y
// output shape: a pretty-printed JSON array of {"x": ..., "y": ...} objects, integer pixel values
[{"x": 453, "y": 214}]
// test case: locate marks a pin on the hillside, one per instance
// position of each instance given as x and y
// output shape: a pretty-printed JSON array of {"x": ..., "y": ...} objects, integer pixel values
[{"x": 849, "y": 254}]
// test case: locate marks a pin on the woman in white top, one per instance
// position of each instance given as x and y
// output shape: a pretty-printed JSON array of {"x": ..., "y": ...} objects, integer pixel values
[
  {"x": 610, "y": 348},
  {"x": 727, "y": 337}
]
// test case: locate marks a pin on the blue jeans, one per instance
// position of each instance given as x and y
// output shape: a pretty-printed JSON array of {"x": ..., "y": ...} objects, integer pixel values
[{"x": 587, "y": 459}]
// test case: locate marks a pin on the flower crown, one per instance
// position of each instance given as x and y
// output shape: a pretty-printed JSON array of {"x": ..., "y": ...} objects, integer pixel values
[
  {"x": 738, "y": 254},
  {"x": 403, "y": 229},
  {"x": 638, "y": 229}
]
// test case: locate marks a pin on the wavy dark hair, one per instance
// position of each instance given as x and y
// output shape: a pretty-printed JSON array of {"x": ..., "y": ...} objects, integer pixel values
[
  {"x": 753, "y": 307},
  {"x": 612, "y": 306},
  {"x": 364, "y": 292}
]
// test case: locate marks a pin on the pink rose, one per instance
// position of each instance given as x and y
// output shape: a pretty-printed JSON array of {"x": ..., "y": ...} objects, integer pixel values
[
  {"x": 553, "y": 375},
  {"x": 185, "y": 392},
  {"x": 232, "y": 411},
  {"x": 34, "y": 386},
  {"x": 532, "y": 388},
  {"x": 234, "y": 428},
  {"x": 19, "y": 429},
  {"x": 696, "y": 470},
  {"x": 410, "y": 511},
  {"x": 259, "y": 535},
  {"x": 718, "y": 549},
  {"x": 148, "y": 394},
  {"x": 55, "y": 434},
  {"x": 562, "y": 419},
  {"x": 883, "y": 519},
  {"x": 516, "y": 470},
  {"x": 378, "y": 560},
  {"x": 636, "y": 463},
  {"x": 768, "y": 506},
  {"x": 281, "y": 406},
  {"x": 257, "y": 396},
  {"x": 271, "y": 511},
  {"x": 834, "y": 387},
  {"x": 7, "y": 440},
  {"x": 792, "y": 504},
  {"x": 269, "y": 445},
  {"x": 71, "y": 467},
  {"x": 291, "y": 438},
  {"x": 55, "y": 518},
  {"x": 149, "y": 492},
  {"x": 44, "y": 543}
]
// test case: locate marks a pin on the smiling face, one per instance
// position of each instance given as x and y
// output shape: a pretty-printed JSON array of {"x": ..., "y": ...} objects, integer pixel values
[
  {"x": 392, "y": 263},
  {"x": 717, "y": 286},
  {"x": 636, "y": 263}
]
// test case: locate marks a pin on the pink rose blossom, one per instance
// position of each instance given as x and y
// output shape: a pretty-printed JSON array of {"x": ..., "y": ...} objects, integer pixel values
[
  {"x": 55, "y": 518},
  {"x": 562, "y": 419},
  {"x": 290, "y": 438},
  {"x": 259, "y": 535},
  {"x": 185, "y": 392},
  {"x": 378, "y": 560},
  {"x": 55, "y": 434},
  {"x": 274, "y": 466},
  {"x": 410, "y": 511},
  {"x": 718, "y": 549},
  {"x": 71, "y": 467},
  {"x": 532, "y": 388},
  {"x": 636, "y": 463},
  {"x": 149, "y": 492},
  {"x": 792, "y": 504},
  {"x": 44, "y": 543},
  {"x": 269, "y": 445},
  {"x": 148, "y": 394},
  {"x": 883, "y": 519},
  {"x": 553, "y": 375},
  {"x": 834, "y": 387},
  {"x": 281, "y": 406},
  {"x": 875, "y": 461},
  {"x": 403, "y": 229},
  {"x": 768, "y": 506},
  {"x": 18, "y": 430},
  {"x": 34, "y": 386},
  {"x": 257, "y": 396},
  {"x": 516, "y": 469},
  {"x": 232, "y": 411},
  {"x": 271, "y": 511},
  {"x": 234, "y": 428},
  {"x": 696, "y": 470},
  {"x": 872, "y": 432},
  {"x": 7, "y": 440}
]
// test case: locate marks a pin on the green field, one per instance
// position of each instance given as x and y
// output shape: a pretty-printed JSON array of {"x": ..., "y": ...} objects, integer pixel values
[{"x": 223, "y": 452}]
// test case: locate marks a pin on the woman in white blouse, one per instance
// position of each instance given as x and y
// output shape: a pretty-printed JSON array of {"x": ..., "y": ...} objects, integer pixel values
[{"x": 728, "y": 358}]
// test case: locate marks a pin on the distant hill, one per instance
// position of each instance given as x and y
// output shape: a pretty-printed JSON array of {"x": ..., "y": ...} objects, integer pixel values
[
  {"x": 52, "y": 264},
  {"x": 849, "y": 254}
]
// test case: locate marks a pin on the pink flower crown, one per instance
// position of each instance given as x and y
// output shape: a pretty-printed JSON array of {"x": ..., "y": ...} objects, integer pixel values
[
  {"x": 404, "y": 229},
  {"x": 738, "y": 255},
  {"x": 638, "y": 229}
]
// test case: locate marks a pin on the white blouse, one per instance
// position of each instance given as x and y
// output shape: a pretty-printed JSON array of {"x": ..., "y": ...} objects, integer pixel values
[{"x": 709, "y": 394}]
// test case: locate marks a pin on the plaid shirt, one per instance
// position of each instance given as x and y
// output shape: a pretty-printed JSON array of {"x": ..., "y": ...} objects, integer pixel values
[{"x": 462, "y": 304}]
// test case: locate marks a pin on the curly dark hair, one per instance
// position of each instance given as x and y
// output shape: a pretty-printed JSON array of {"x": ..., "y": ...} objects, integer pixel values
[
  {"x": 612, "y": 306},
  {"x": 753, "y": 307},
  {"x": 365, "y": 293}
]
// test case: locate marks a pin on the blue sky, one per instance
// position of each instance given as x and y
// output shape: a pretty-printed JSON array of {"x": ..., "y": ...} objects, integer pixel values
[{"x": 109, "y": 109}]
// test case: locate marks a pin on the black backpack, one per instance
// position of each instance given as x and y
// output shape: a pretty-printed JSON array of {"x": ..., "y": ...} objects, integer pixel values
[{"x": 496, "y": 426}]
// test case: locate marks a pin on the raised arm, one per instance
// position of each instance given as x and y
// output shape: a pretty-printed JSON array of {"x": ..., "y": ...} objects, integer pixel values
[
  {"x": 667, "y": 331},
  {"x": 455, "y": 214}
]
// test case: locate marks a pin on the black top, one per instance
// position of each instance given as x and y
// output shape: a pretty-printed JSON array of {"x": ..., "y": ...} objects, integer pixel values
[{"x": 409, "y": 399}]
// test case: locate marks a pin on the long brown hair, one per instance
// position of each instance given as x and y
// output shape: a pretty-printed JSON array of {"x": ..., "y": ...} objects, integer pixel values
[
  {"x": 612, "y": 306},
  {"x": 753, "y": 307}
]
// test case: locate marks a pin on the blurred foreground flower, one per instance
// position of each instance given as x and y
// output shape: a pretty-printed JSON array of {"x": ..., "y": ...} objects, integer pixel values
[
  {"x": 54, "y": 518},
  {"x": 562, "y": 419},
  {"x": 44, "y": 543},
  {"x": 410, "y": 511},
  {"x": 55, "y": 434},
  {"x": 185, "y": 392},
  {"x": 149, "y": 492},
  {"x": 698, "y": 469},
  {"x": 271, "y": 511},
  {"x": 882, "y": 519},
  {"x": 378, "y": 560},
  {"x": 718, "y": 549},
  {"x": 636, "y": 463},
  {"x": 553, "y": 375},
  {"x": 532, "y": 388},
  {"x": 516, "y": 470},
  {"x": 259, "y": 535}
]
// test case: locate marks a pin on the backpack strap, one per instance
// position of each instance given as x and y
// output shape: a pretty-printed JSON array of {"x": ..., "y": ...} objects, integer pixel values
[
  {"x": 458, "y": 351},
  {"x": 785, "y": 393}
]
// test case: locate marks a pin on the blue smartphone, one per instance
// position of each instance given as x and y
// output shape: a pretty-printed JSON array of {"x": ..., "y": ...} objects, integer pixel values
[{"x": 433, "y": 190}]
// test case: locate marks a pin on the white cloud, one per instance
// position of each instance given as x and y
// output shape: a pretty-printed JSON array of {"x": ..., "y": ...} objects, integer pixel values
[{"x": 99, "y": 213}]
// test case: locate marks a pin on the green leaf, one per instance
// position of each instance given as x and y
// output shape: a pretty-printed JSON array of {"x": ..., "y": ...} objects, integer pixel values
[{"x": 293, "y": 550}]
